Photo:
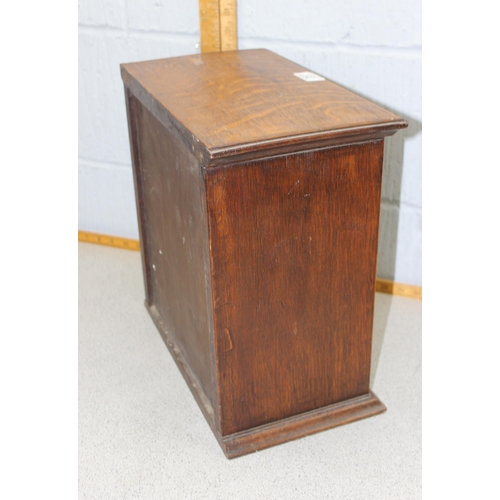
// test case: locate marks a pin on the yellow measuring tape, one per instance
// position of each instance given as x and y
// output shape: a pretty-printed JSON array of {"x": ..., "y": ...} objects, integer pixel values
[
  {"x": 110, "y": 241},
  {"x": 382, "y": 286},
  {"x": 401, "y": 289},
  {"x": 218, "y": 26}
]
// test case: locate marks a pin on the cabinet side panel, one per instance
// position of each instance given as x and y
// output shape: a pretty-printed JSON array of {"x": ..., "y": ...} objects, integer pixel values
[
  {"x": 294, "y": 252},
  {"x": 177, "y": 260},
  {"x": 132, "y": 103}
]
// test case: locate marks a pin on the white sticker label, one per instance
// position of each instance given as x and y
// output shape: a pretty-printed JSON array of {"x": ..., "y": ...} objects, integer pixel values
[{"x": 307, "y": 76}]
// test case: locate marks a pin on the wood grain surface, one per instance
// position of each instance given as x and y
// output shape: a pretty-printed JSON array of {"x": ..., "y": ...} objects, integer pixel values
[
  {"x": 172, "y": 213},
  {"x": 294, "y": 251},
  {"x": 301, "y": 425},
  {"x": 258, "y": 198},
  {"x": 222, "y": 101}
]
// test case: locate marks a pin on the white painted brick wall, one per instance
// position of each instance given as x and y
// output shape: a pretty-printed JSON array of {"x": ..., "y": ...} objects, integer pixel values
[
  {"x": 111, "y": 13},
  {"x": 167, "y": 16},
  {"x": 106, "y": 199},
  {"x": 372, "y": 47},
  {"x": 391, "y": 23}
]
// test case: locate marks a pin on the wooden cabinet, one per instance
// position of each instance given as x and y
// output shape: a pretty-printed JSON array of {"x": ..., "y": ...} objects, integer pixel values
[{"x": 258, "y": 194}]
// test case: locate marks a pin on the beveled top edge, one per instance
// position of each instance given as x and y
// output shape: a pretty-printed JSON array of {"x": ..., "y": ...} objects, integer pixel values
[
  {"x": 209, "y": 153},
  {"x": 306, "y": 141}
]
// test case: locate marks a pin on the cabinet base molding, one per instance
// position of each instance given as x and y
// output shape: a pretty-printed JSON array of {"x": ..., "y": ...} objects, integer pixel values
[
  {"x": 301, "y": 425},
  {"x": 281, "y": 431}
]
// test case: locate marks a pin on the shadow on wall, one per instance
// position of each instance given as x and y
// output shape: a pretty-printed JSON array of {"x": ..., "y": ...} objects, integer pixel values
[
  {"x": 389, "y": 222},
  {"x": 388, "y": 231},
  {"x": 391, "y": 189},
  {"x": 392, "y": 176}
]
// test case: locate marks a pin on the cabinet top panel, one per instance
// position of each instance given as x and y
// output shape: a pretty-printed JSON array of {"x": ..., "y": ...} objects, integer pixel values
[{"x": 223, "y": 104}]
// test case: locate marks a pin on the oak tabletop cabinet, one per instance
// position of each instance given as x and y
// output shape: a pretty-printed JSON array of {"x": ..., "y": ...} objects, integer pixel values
[{"x": 258, "y": 196}]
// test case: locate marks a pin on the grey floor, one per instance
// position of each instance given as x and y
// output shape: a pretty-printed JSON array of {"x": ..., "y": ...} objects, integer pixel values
[{"x": 142, "y": 436}]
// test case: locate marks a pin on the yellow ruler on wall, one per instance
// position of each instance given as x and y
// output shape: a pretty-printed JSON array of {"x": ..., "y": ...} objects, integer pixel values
[
  {"x": 383, "y": 286},
  {"x": 218, "y": 25}
]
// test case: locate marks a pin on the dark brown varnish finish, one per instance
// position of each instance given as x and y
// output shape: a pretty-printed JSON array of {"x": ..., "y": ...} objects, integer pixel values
[
  {"x": 294, "y": 246},
  {"x": 258, "y": 199},
  {"x": 176, "y": 244}
]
